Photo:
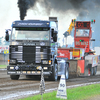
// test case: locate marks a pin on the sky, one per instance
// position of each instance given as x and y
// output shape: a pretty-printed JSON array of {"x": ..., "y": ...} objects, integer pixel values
[{"x": 64, "y": 10}]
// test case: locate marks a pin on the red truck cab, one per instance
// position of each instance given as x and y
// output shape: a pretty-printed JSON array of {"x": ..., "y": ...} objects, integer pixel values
[{"x": 82, "y": 35}]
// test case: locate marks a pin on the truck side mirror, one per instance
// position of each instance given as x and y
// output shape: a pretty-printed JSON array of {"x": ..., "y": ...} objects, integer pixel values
[
  {"x": 92, "y": 39},
  {"x": 52, "y": 32},
  {"x": 55, "y": 36},
  {"x": 7, "y": 36}
]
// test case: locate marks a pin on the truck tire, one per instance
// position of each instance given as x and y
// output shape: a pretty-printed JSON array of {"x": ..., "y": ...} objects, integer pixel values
[
  {"x": 14, "y": 77},
  {"x": 67, "y": 72},
  {"x": 91, "y": 71},
  {"x": 54, "y": 75},
  {"x": 94, "y": 70}
]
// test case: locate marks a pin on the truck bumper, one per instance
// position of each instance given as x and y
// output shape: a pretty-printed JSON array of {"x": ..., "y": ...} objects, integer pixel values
[
  {"x": 27, "y": 73},
  {"x": 28, "y": 70}
]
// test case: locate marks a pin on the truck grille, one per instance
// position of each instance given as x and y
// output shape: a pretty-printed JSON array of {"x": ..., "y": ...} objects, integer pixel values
[
  {"x": 29, "y": 54},
  {"x": 16, "y": 52}
]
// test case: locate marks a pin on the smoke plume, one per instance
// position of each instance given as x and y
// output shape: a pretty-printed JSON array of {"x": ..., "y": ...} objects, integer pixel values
[
  {"x": 49, "y": 5},
  {"x": 82, "y": 9},
  {"x": 24, "y": 5}
]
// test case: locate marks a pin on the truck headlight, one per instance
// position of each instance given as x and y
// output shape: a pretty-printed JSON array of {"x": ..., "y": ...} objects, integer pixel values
[
  {"x": 45, "y": 68},
  {"x": 12, "y": 61},
  {"x": 11, "y": 67},
  {"x": 44, "y": 61}
]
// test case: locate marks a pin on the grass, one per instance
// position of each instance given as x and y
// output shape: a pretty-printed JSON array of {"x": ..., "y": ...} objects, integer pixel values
[
  {"x": 3, "y": 66},
  {"x": 79, "y": 93}
]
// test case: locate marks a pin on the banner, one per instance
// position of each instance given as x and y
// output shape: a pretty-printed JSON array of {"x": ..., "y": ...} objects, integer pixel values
[{"x": 4, "y": 49}]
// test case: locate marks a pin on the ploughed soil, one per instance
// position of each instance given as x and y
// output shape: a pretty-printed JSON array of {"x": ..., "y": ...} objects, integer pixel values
[{"x": 14, "y": 89}]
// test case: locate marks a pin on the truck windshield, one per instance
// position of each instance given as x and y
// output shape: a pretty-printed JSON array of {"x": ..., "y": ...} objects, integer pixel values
[
  {"x": 30, "y": 34},
  {"x": 82, "y": 32}
]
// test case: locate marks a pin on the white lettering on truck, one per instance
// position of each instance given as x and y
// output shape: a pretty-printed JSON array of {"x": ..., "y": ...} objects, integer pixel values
[
  {"x": 30, "y": 23},
  {"x": 81, "y": 43},
  {"x": 61, "y": 54}
]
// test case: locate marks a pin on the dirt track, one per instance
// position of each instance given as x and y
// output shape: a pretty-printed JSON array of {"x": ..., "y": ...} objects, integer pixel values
[{"x": 14, "y": 89}]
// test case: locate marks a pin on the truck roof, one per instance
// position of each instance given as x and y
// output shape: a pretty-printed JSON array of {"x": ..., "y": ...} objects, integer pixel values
[{"x": 33, "y": 23}]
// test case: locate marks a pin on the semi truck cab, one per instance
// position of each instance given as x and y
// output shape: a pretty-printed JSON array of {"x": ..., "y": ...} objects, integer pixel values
[{"x": 33, "y": 45}]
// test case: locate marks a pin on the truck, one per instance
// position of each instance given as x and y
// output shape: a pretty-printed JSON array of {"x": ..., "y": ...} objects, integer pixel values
[
  {"x": 82, "y": 58},
  {"x": 33, "y": 45}
]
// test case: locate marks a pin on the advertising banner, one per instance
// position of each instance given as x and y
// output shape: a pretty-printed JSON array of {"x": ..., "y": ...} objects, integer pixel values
[{"x": 4, "y": 49}]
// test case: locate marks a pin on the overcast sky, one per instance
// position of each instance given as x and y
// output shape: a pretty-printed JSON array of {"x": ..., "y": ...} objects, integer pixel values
[
  {"x": 65, "y": 10},
  {"x": 10, "y": 12}
]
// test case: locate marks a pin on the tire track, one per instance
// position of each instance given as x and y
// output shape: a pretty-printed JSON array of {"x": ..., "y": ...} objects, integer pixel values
[{"x": 16, "y": 88}]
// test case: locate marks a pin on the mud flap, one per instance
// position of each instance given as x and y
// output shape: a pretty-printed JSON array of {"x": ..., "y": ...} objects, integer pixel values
[
  {"x": 78, "y": 68},
  {"x": 73, "y": 70},
  {"x": 87, "y": 68}
]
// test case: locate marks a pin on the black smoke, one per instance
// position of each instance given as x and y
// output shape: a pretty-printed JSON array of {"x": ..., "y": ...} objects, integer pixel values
[
  {"x": 61, "y": 6},
  {"x": 49, "y": 5},
  {"x": 24, "y": 5},
  {"x": 85, "y": 9}
]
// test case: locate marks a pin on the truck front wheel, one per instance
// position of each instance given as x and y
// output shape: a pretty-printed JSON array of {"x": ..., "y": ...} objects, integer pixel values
[
  {"x": 66, "y": 72},
  {"x": 94, "y": 70},
  {"x": 54, "y": 74},
  {"x": 91, "y": 71},
  {"x": 14, "y": 77}
]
